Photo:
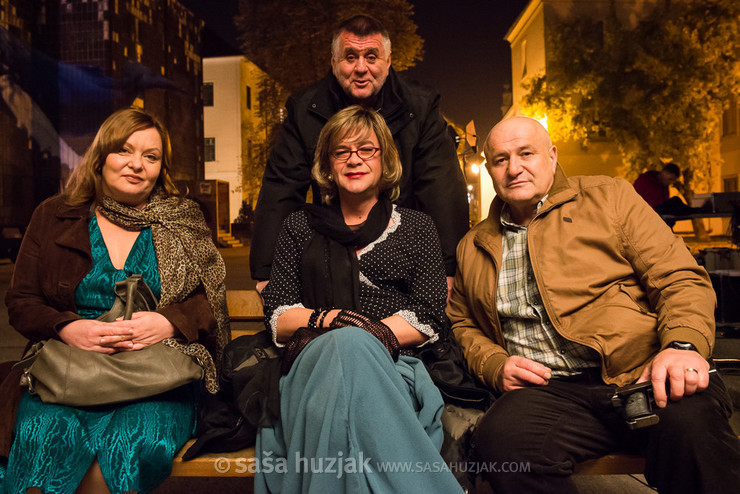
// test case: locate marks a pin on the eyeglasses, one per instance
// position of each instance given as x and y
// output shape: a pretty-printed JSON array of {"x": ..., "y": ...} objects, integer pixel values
[{"x": 364, "y": 153}]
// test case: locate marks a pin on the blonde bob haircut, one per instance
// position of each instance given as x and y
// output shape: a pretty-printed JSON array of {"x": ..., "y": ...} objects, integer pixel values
[
  {"x": 84, "y": 184},
  {"x": 358, "y": 122}
]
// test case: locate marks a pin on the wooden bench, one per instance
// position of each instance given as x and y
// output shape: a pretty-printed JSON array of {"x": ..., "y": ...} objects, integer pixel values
[
  {"x": 245, "y": 314},
  {"x": 245, "y": 308}
]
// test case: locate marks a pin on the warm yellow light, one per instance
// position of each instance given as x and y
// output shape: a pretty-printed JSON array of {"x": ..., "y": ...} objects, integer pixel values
[
  {"x": 470, "y": 187},
  {"x": 475, "y": 168},
  {"x": 543, "y": 121}
]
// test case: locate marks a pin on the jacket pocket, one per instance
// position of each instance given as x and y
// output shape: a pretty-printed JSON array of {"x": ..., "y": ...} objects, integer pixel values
[{"x": 638, "y": 300}]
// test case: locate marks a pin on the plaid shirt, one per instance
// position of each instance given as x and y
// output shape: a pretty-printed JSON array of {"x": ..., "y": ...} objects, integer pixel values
[{"x": 526, "y": 326}]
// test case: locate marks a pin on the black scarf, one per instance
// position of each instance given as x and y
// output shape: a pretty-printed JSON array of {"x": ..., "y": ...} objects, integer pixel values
[{"x": 330, "y": 272}]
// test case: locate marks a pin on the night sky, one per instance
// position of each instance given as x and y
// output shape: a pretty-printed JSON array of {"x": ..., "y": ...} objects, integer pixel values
[{"x": 466, "y": 58}]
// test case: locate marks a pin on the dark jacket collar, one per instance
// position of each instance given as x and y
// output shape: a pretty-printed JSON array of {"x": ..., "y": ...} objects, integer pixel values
[
  {"x": 65, "y": 211},
  {"x": 76, "y": 235},
  {"x": 329, "y": 98}
]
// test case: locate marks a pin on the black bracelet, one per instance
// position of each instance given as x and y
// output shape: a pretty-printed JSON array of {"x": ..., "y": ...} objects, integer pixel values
[
  {"x": 320, "y": 324},
  {"x": 312, "y": 318}
]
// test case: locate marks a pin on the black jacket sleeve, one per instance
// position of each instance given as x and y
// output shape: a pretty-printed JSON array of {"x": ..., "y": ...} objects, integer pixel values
[
  {"x": 439, "y": 187},
  {"x": 284, "y": 186}
]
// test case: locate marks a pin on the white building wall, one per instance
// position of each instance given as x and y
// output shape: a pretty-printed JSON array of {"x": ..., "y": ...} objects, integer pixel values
[
  {"x": 527, "y": 40},
  {"x": 223, "y": 121}
]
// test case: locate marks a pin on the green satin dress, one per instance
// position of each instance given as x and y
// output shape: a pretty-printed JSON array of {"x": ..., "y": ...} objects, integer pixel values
[{"x": 134, "y": 443}]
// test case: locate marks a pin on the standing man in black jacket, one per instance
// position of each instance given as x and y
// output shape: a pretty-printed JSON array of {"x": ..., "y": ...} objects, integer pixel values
[{"x": 361, "y": 74}]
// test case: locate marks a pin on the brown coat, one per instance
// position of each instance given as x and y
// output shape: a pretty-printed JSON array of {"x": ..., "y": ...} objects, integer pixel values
[
  {"x": 54, "y": 258},
  {"x": 611, "y": 274}
]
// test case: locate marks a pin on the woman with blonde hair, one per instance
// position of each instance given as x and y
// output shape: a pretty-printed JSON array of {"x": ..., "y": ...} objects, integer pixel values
[
  {"x": 119, "y": 215},
  {"x": 357, "y": 284}
]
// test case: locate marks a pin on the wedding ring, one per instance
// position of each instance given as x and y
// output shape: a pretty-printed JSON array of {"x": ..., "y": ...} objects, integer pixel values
[
  {"x": 691, "y": 369},
  {"x": 101, "y": 341}
]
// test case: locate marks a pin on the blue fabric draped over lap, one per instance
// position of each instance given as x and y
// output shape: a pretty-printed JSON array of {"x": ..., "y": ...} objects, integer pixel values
[{"x": 349, "y": 417}]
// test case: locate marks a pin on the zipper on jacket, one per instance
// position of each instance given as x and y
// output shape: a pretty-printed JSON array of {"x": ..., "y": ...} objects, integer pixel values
[{"x": 546, "y": 300}]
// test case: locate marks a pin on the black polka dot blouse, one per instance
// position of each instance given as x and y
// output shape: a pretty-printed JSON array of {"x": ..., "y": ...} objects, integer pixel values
[{"x": 401, "y": 272}]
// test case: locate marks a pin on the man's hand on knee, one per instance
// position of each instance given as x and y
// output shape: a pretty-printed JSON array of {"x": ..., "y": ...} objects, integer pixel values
[
  {"x": 520, "y": 372},
  {"x": 686, "y": 371}
]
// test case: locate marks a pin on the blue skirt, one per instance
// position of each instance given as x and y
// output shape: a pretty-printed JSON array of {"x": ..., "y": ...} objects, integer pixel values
[
  {"x": 134, "y": 443},
  {"x": 354, "y": 421}
]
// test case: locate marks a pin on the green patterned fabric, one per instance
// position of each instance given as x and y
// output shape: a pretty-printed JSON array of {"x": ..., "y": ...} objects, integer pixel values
[
  {"x": 94, "y": 295},
  {"x": 187, "y": 259},
  {"x": 134, "y": 443}
]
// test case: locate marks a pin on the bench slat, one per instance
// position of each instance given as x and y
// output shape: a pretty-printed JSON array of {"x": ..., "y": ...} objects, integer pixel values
[
  {"x": 234, "y": 464},
  {"x": 244, "y": 305},
  {"x": 235, "y": 333}
]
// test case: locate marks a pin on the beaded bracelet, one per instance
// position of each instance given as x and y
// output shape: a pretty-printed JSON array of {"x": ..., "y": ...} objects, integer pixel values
[
  {"x": 324, "y": 313},
  {"x": 312, "y": 318}
]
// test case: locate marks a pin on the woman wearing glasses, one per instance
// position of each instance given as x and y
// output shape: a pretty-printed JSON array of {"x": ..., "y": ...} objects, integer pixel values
[{"x": 353, "y": 282}]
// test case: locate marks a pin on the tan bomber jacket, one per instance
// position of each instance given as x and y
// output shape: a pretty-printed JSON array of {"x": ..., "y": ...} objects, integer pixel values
[{"x": 612, "y": 276}]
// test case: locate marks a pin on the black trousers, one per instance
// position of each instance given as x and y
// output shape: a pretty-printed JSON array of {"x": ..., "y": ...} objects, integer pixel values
[{"x": 551, "y": 428}]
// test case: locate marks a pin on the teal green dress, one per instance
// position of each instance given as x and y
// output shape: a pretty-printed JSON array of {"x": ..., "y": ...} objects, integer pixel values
[{"x": 134, "y": 443}]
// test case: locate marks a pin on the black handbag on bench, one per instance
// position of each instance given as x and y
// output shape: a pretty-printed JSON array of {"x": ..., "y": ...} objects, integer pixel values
[{"x": 248, "y": 398}]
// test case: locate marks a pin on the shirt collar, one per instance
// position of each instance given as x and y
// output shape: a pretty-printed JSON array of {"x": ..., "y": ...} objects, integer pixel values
[{"x": 506, "y": 220}]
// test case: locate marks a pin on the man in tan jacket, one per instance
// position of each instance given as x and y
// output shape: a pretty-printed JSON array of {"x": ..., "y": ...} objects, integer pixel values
[{"x": 570, "y": 288}]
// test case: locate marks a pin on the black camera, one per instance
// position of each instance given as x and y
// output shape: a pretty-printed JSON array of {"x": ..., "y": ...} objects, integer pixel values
[{"x": 638, "y": 403}]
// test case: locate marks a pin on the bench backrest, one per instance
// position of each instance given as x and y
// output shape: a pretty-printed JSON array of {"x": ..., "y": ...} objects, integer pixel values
[
  {"x": 245, "y": 312},
  {"x": 244, "y": 305}
]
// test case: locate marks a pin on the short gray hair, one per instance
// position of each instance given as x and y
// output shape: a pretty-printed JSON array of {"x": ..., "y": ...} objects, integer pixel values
[{"x": 360, "y": 25}]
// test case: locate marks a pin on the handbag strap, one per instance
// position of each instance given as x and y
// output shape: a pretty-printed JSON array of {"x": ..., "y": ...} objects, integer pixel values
[
  {"x": 132, "y": 283},
  {"x": 132, "y": 295}
]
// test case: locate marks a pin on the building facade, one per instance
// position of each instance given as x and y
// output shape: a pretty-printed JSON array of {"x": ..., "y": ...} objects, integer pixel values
[
  {"x": 28, "y": 171},
  {"x": 528, "y": 41},
  {"x": 235, "y": 130},
  {"x": 68, "y": 64}
]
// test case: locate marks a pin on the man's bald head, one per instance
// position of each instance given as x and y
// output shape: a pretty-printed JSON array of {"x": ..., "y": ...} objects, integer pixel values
[
  {"x": 517, "y": 121},
  {"x": 521, "y": 160}
]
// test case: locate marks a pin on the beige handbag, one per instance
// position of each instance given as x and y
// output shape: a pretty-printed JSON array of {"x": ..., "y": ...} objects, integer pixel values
[{"x": 60, "y": 373}]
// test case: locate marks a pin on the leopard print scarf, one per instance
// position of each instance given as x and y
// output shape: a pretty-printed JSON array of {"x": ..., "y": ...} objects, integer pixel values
[{"x": 186, "y": 258}]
